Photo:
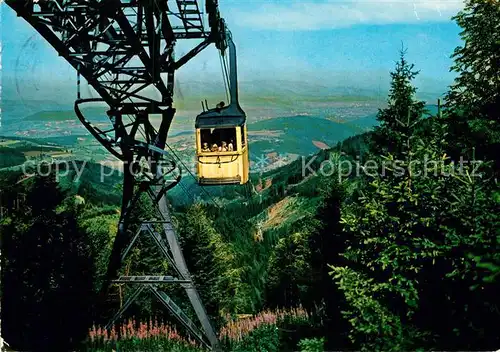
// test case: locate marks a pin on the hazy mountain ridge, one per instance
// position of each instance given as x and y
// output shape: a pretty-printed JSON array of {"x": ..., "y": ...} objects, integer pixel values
[{"x": 198, "y": 89}]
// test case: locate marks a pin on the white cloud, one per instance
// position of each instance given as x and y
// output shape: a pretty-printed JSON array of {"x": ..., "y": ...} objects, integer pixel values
[{"x": 331, "y": 14}]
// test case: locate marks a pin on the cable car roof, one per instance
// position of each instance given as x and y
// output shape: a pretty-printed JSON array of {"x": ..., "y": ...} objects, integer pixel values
[{"x": 221, "y": 118}]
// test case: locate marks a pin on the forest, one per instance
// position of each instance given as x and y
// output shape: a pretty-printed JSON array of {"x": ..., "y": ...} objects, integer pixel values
[{"x": 402, "y": 255}]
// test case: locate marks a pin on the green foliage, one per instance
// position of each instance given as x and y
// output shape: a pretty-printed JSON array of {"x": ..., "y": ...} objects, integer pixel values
[
  {"x": 218, "y": 271},
  {"x": 382, "y": 228},
  {"x": 473, "y": 101},
  {"x": 312, "y": 345},
  {"x": 46, "y": 269},
  {"x": 403, "y": 258},
  {"x": 11, "y": 157},
  {"x": 372, "y": 321},
  {"x": 101, "y": 226},
  {"x": 94, "y": 184},
  {"x": 289, "y": 269},
  {"x": 356, "y": 146},
  {"x": 263, "y": 339},
  {"x": 410, "y": 233},
  {"x": 477, "y": 85},
  {"x": 402, "y": 110}
]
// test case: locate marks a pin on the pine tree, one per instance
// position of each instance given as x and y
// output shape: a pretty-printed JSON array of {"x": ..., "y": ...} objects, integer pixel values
[
  {"x": 214, "y": 263},
  {"x": 473, "y": 102},
  {"x": 391, "y": 227},
  {"x": 472, "y": 229},
  {"x": 326, "y": 243},
  {"x": 289, "y": 269},
  {"x": 473, "y": 119},
  {"x": 477, "y": 87},
  {"x": 47, "y": 275},
  {"x": 410, "y": 239},
  {"x": 402, "y": 112}
]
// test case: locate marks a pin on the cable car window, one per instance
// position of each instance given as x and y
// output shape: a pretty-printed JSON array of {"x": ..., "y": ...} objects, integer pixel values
[{"x": 218, "y": 139}]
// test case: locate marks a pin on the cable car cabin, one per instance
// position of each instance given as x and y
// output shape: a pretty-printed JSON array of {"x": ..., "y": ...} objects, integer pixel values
[
  {"x": 222, "y": 147},
  {"x": 221, "y": 136}
]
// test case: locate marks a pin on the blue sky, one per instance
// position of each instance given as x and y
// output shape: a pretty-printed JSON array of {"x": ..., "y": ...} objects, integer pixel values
[{"x": 349, "y": 42}]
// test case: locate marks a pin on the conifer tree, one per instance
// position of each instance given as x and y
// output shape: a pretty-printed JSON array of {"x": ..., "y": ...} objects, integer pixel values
[
  {"x": 390, "y": 229},
  {"x": 410, "y": 239},
  {"x": 473, "y": 102},
  {"x": 47, "y": 278},
  {"x": 477, "y": 87},
  {"x": 402, "y": 112}
]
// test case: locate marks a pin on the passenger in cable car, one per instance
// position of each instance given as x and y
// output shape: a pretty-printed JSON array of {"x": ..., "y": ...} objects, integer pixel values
[
  {"x": 215, "y": 148},
  {"x": 220, "y": 105},
  {"x": 205, "y": 147},
  {"x": 230, "y": 146},
  {"x": 223, "y": 148}
]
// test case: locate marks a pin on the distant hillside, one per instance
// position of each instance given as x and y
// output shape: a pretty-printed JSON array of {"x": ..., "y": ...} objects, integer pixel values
[
  {"x": 298, "y": 134},
  {"x": 96, "y": 114},
  {"x": 289, "y": 88},
  {"x": 304, "y": 135}
]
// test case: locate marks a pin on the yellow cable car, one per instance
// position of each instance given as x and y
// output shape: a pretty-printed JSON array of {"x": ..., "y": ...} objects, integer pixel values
[{"x": 221, "y": 138}]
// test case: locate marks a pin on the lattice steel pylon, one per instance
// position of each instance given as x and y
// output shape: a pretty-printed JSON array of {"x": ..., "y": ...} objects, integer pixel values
[{"x": 125, "y": 51}]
